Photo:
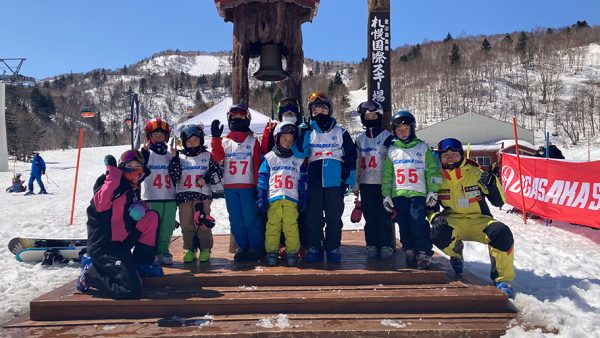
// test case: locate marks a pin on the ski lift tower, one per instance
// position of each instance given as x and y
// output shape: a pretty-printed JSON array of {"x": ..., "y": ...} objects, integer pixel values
[
  {"x": 3, "y": 134},
  {"x": 270, "y": 29}
]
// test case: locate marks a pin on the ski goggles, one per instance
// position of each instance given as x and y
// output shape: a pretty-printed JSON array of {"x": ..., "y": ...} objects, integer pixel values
[
  {"x": 157, "y": 125},
  {"x": 370, "y": 106},
  {"x": 191, "y": 130},
  {"x": 290, "y": 106},
  {"x": 239, "y": 110},
  {"x": 317, "y": 97},
  {"x": 449, "y": 144},
  {"x": 131, "y": 156}
]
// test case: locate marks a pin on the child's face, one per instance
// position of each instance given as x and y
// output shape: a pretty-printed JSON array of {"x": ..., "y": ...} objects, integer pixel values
[
  {"x": 158, "y": 136},
  {"x": 192, "y": 142},
  {"x": 319, "y": 109},
  {"x": 371, "y": 115},
  {"x": 286, "y": 140},
  {"x": 450, "y": 157},
  {"x": 402, "y": 132}
]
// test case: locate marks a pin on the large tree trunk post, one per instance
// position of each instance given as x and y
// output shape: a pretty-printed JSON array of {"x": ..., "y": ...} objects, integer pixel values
[{"x": 239, "y": 66}]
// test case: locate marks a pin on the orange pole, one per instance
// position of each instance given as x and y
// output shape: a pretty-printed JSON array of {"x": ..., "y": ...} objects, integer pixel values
[
  {"x": 76, "y": 173},
  {"x": 519, "y": 165}
]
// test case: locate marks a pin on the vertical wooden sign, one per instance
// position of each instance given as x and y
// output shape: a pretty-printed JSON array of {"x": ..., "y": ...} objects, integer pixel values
[{"x": 379, "y": 83}]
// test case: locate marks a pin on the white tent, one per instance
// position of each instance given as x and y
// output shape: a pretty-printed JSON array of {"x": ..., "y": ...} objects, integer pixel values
[{"x": 219, "y": 112}]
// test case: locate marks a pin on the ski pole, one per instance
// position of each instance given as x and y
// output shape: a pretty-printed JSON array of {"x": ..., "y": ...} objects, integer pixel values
[{"x": 51, "y": 180}]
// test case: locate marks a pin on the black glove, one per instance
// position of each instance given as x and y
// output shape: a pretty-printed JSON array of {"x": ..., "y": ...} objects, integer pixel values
[
  {"x": 110, "y": 160},
  {"x": 216, "y": 128},
  {"x": 486, "y": 178},
  {"x": 439, "y": 226}
]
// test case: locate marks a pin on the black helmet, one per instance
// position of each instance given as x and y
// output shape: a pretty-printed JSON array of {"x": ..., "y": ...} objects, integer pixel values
[{"x": 192, "y": 130}]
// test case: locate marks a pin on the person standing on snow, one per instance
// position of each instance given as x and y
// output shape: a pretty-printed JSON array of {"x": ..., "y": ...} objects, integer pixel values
[
  {"x": 466, "y": 215},
  {"x": 372, "y": 149},
  {"x": 157, "y": 189},
  {"x": 241, "y": 156},
  {"x": 38, "y": 168},
  {"x": 331, "y": 157},
  {"x": 411, "y": 178},
  {"x": 282, "y": 194},
  {"x": 117, "y": 223}
]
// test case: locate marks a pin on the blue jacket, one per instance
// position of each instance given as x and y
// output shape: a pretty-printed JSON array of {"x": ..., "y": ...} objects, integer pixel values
[
  {"x": 38, "y": 166},
  {"x": 328, "y": 172}
]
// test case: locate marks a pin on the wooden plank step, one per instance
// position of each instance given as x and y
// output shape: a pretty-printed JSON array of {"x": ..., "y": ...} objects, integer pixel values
[
  {"x": 312, "y": 325},
  {"x": 294, "y": 276},
  {"x": 165, "y": 302}
]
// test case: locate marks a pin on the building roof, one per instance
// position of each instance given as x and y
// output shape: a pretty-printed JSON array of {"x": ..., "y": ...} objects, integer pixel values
[
  {"x": 219, "y": 112},
  {"x": 224, "y": 7},
  {"x": 474, "y": 129}
]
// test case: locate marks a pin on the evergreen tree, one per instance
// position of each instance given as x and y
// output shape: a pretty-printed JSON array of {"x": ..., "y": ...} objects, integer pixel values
[
  {"x": 486, "y": 46},
  {"x": 42, "y": 105},
  {"x": 448, "y": 38},
  {"x": 581, "y": 24},
  {"x": 143, "y": 85},
  {"x": 507, "y": 41},
  {"x": 201, "y": 81},
  {"x": 198, "y": 100},
  {"x": 455, "y": 54},
  {"x": 521, "y": 46},
  {"x": 317, "y": 68},
  {"x": 337, "y": 79},
  {"x": 125, "y": 70},
  {"x": 549, "y": 30}
]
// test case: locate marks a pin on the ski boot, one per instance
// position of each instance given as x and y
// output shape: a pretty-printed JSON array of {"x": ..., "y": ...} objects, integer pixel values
[
  {"x": 292, "y": 259},
  {"x": 386, "y": 252},
  {"x": 411, "y": 258},
  {"x": 164, "y": 259},
  {"x": 29, "y": 193},
  {"x": 43, "y": 192},
  {"x": 204, "y": 255},
  {"x": 150, "y": 270},
  {"x": 86, "y": 263},
  {"x": 334, "y": 256},
  {"x": 314, "y": 255},
  {"x": 240, "y": 254},
  {"x": 189, "y": 256},
  {"x": 272, "y": 259},
  {"x": 423, "y": 261},
  {"x": 252, "y": 255},
  {"x": 505, "y": 287},
  {"x": 457, "y": 265},
  {"x": 371, "y": 251}
]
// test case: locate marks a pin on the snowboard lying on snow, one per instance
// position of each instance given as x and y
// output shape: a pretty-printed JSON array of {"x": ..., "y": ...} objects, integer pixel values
[{"x": 46, "y": 250}]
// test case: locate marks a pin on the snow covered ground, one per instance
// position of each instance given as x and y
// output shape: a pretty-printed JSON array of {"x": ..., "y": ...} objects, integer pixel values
[{"x": 557, "y": 267}]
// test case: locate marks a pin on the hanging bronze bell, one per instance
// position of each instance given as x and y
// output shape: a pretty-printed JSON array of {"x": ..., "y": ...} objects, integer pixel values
[{"x": 270, "y": 64}]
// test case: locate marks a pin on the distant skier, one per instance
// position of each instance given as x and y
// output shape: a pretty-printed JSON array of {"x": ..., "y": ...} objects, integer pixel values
[
  {"x": 38, "y": 168},
  {"x": 17, "y": 184},
  {"x": 118, "y": 222}
]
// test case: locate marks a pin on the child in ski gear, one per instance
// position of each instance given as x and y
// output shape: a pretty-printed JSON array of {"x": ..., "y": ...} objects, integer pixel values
[
  {"x": 117, "y": 222},
  {"x": 331, "y": 164},
  {"x": 241, "y": 154},
  {"x": 193, "y": 170},
  {"x": 288, "y": 110},
  {"x": 379, "y": 229},
  {"x": 38, "y": 168},
  {"x": 157, "y": 189},
  {"x": 411, "y": 178},
  {"x": 466, "y": 215},
  {"x": 282, "y": 191},
  {"x": 17, "y": 184}
]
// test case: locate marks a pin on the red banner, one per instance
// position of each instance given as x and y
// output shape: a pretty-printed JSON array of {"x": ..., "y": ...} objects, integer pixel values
[{"x": 554, "y": 189}]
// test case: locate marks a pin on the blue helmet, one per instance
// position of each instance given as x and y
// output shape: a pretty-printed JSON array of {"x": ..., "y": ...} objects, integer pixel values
[
  {"x": 404, "y": 117},
  {"x": 454, "y": 145}
]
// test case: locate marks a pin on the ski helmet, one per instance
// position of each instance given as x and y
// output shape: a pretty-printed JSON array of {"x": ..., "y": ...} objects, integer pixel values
[
  {"x": 370, "y": 106},
  {"x": 285, "y": 128},
  {"x": 192, "y": 130},
  {"x": 318, "y": 98},
  {"x": 157, "y": 124},
  {"x": 288, "y": 104},
  {"x": 454, "y": 145},
  {"x": 238, "y": 124},
  {"x": 131, "y": 155},
  {"x": 404, "y": 117}
]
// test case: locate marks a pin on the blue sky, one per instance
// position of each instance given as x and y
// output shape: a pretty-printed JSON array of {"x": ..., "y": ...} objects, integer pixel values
[{"x": 61, "y": 36}]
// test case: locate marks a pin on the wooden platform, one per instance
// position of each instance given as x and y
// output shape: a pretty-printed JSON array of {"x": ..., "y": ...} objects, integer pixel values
[{"x": 357, "y": 297}]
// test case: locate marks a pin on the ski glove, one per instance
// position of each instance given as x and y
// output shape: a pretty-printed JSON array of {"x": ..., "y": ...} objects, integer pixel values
[
  {"x": 216, "y": 128},
  {"x": 200, "y": 218},
  {"x": 110, "y": 160},
  {"x": 262, "y": 201},
  {"x": 137, "y": 210},
  {"x": 486, "y": 178},
  {"x": 431, "y": 199},
  {"x": 439, "y": 227},
  {"x": 305, "y": 125},
  {"x": 388, "y": 204}
]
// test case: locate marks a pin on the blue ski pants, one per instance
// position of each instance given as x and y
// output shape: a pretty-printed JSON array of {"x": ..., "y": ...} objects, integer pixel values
[{"x": 244, "y": 219}]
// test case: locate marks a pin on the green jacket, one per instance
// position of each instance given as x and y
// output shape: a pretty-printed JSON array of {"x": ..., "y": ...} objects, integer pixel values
[{"x": 433, "y": 177}]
